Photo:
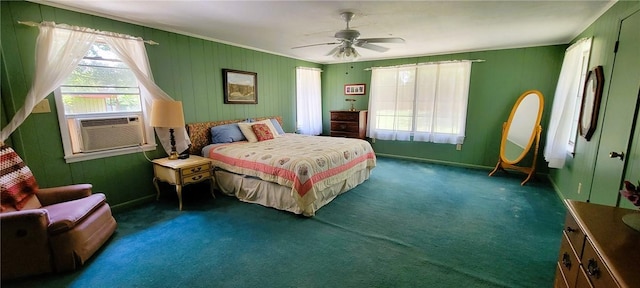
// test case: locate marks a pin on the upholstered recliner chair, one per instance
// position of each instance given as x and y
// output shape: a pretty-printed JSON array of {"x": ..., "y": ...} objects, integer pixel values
[{"x": 50, "y": 229}]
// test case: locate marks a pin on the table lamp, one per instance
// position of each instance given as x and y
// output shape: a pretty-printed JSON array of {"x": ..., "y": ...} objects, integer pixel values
[
  {"x": 351, "y": 100},
  {"x": 168, "y": 114}
]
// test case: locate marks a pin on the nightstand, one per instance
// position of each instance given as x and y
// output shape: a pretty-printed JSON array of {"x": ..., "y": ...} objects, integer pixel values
[{"x": 182, "y": 172}]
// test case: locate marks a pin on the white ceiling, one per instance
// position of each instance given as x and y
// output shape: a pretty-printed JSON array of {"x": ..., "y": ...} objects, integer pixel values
[{"x": 429, "y": 27}]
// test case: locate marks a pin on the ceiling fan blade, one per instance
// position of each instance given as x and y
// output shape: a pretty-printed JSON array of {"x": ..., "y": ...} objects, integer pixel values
[
  {"x": 382, "y": 40},
  {"x": 319, "y": 44},
  {"x": 334, "y": 50},
  {"x": 371, "y": 46}
]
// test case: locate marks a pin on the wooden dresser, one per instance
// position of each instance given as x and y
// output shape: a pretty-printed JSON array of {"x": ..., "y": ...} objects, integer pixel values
[
  {"x": 351, "y": 124},
  {"x": 598, "y": 249}
]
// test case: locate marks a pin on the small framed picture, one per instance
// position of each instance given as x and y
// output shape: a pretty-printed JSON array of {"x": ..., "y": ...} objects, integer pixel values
[
  {"x": 355, "y": 89},
  {"x": 240, "y": 87}
]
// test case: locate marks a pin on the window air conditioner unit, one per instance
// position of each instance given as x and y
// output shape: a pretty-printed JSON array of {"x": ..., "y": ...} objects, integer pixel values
[{"x": 109, "y": 133}]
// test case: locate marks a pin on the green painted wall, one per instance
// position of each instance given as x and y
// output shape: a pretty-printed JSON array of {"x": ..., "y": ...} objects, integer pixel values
[
  {"x": 579, "y": 169},
  {"x": 495, "y": 86},
  {"x": 187, "y": 68}
]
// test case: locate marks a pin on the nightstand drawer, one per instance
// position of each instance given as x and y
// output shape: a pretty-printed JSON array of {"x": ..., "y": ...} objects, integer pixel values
[
  {"x": 193, "y": 178},
  {"x": 345, "y": 116},
  {"x": 196, "y": 169},
  {"x": 345, "y": 126}
]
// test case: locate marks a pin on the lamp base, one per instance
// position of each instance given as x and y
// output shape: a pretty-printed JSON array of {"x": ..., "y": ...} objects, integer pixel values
[
  {"x": 174, "y": 153},
  {"x": 632, "y": 220}
]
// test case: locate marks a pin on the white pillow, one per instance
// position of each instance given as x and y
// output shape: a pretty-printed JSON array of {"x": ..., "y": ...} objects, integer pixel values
[{"x": 248, "y": 132}]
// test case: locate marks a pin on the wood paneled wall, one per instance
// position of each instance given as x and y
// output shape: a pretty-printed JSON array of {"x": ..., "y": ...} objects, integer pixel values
[
  {"x": 189, "y": 69},
  {"x": 495, "y": 86}
]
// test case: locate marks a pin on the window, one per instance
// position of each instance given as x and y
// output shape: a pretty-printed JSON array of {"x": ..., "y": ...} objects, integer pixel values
[
  {"x": 561, "y": 131},
  {"x": 308, "y": 101},
  {"x": 100, "y": 107},
  {"x": 426, "y": 102},
  {"x": 584, "y": 68}
]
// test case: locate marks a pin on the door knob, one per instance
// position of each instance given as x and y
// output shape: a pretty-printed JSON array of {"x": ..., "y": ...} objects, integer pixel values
[{"x": 617, "y": 155}]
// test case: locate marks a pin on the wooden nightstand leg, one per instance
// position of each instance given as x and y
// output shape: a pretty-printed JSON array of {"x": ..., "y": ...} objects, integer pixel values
[
  {"x": 155, "y": 183},
  {"x": 179, "y": 191}
]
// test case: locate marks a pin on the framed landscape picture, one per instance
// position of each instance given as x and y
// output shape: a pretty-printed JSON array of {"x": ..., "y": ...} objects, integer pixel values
[
  {"x": 355, "y": 89},
  {"x": 240, "y": 87}
]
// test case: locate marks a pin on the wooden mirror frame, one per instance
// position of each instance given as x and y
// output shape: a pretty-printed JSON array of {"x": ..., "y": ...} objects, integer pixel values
[
  {"x": 503, "y": 162},
  {"x": 510, "y": 121},
  {"x": 590, "y": 106}
]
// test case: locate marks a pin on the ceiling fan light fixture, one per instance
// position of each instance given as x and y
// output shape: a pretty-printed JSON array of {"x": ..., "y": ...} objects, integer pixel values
[
  {"x": 346, "y": 53},
  {"x": 347, "y": 39}
]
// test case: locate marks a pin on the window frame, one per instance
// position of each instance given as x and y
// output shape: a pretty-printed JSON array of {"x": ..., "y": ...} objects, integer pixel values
[
  {"x": 573, "y": 138},
  {"x": 413, "y": 91},
  {"x": 67, "y": 142}
]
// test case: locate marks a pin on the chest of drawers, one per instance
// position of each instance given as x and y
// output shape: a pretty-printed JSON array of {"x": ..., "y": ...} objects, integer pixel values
[
  {"x": 351, "y": 124},
  {"x": 597, "y": 248}
]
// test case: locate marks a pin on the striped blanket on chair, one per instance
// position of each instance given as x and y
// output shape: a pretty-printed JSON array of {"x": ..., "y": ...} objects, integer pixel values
[{"x": 17, "y": 184}]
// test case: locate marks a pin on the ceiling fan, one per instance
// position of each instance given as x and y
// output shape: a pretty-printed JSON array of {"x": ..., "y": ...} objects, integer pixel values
[{"x": 348, "y": 38}]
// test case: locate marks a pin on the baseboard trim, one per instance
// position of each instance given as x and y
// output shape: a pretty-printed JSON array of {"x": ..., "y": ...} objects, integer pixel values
[
  {"x": 132, "y": 203},
  {"x": 436, "y": 161},
  {"x": 556, "y": 188},
  {"x": 463, "y": 165}
]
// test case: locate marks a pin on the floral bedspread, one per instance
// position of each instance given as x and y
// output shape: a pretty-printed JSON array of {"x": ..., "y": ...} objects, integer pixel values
[{"x": 307, "y": 164}]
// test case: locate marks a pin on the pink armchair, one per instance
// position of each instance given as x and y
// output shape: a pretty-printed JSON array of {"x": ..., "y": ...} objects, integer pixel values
[{"x": 57, "y": 230}]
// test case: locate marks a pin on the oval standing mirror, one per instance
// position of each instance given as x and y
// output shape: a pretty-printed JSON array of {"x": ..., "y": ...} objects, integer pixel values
[{"x": 520, "y": 132}]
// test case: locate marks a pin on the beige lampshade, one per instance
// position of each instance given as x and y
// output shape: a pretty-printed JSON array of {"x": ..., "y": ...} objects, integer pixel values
[{"x": 166, "y": 114}]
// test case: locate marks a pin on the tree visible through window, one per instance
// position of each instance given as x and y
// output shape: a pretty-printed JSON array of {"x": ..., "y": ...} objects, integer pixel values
[{"x": 100, "y": 84}]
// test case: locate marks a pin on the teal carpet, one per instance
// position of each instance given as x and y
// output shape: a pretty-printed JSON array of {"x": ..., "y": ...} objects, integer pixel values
[{"x": 411, "y": 224}]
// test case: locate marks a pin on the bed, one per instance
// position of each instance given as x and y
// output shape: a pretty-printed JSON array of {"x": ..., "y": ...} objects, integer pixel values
[{"x": 290, "y": 172}]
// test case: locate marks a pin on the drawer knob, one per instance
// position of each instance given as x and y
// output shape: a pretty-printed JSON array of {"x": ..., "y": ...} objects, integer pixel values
[
  {"x": 196, "y": 169},
  {"x": 593, "y": 269},
  {"x": 566, "y": 260},
  {"x": 569, "y": 229}
]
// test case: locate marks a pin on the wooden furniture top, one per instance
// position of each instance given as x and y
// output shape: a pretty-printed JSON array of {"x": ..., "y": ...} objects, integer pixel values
[{"x": 615, "y": 242}]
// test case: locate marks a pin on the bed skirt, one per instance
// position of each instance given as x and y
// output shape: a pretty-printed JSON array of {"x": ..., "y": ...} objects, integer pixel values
[{"x": 269, "y": 194}]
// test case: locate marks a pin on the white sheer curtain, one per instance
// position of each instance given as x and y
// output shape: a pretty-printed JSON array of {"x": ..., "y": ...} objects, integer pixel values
[
  {"x": 441, "y": 108},
  {"x": 58, "y": 52},
  {"x": 564, "y": 101},
  {"x": 426, "y": 101},
  {"x": 308, "y": 101},
  {"x": 391, "y": 100},
  {"x": 133, "y": 53},
  {"x": 59, "y": 49}
]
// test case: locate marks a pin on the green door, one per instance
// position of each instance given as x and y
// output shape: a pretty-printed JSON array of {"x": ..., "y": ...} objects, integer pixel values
[{"x": 619, "y": 118}]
